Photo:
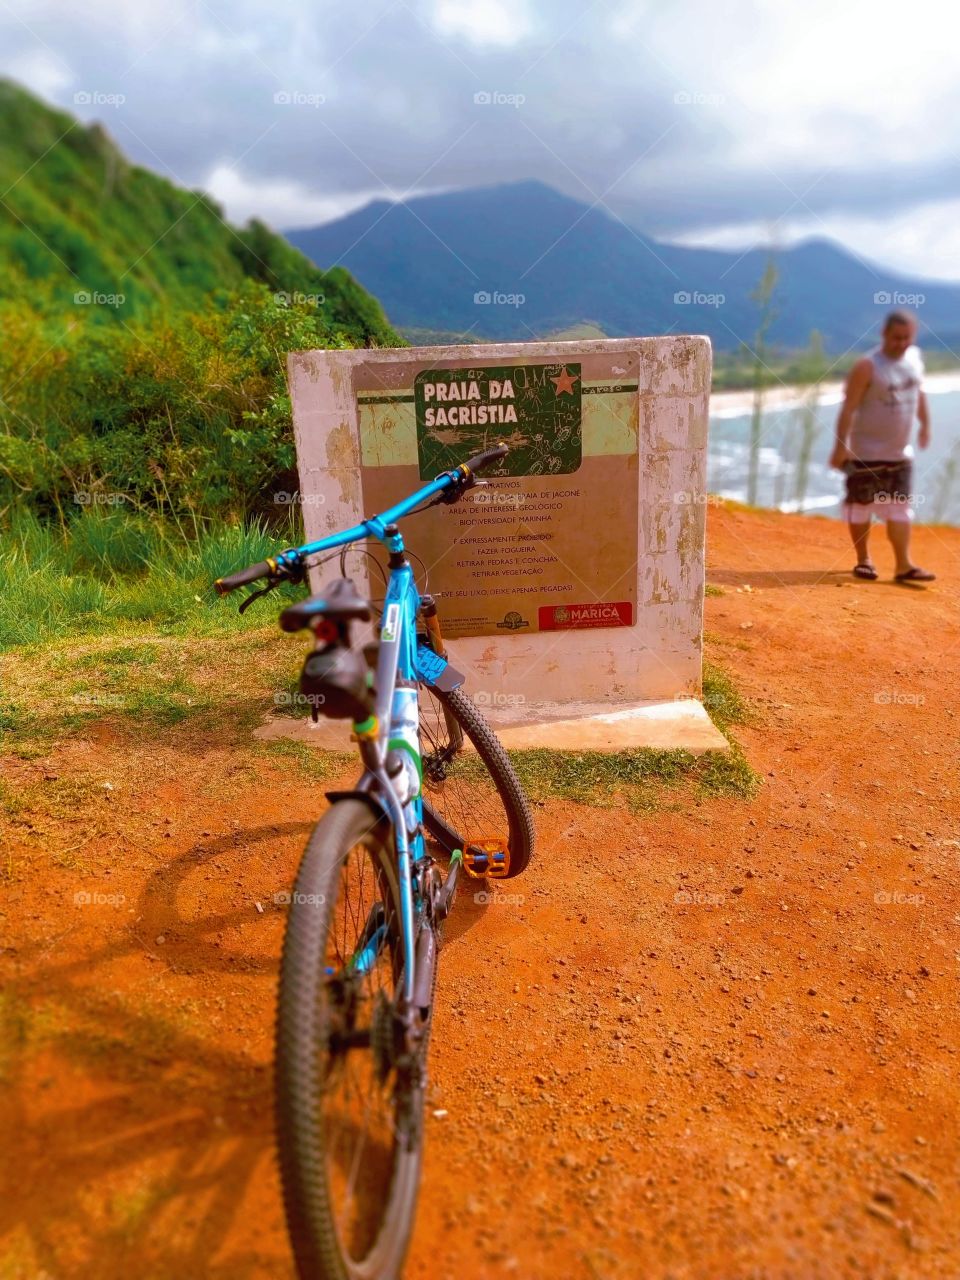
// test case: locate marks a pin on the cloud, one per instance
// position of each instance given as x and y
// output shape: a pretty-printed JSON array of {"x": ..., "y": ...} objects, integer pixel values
[
  {"x": 683, "y": 119},
  {"x": 279, "y": 203},
  {"x": 483, "y": 22},
  {"x": 921, "y": 241},
  {"x": 46, "y": 72}
]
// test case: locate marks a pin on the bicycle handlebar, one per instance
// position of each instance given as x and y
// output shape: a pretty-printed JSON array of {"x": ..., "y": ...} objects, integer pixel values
[
  {"x": 288, "y": 565},
  {"x": 252, "y": 573},
  {"x": 483, "y": 460}
]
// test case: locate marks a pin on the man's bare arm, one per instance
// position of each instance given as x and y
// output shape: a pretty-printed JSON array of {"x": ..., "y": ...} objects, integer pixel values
[
  {"x": 857, "y": 384},
  {"x": 923, "y": 413}
]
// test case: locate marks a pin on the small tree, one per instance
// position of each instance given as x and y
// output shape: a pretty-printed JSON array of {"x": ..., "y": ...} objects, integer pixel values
[
  {"x": 948, "y": 475},
  {"x": 784, "y": 465},
  {"x": 813, "y": 366},
  {"x": 763, "y": 296}
]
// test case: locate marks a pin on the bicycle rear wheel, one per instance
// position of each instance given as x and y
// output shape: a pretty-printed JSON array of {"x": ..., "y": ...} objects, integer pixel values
[
  {"x": 349, "y": 1104},
  {"x": 471, "y": 797}
]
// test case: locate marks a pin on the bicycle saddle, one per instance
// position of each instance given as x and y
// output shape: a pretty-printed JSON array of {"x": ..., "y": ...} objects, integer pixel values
[{"x": 338, "y": 600}]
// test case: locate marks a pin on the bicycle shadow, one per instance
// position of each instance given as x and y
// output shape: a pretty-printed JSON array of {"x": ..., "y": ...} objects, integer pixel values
[
  {"x": 143, "y": 1136},
  {"x": 140, "y": 1135}
]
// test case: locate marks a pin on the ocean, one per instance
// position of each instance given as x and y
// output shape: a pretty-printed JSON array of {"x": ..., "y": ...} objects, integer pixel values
[{"x": 780, "y": 484}]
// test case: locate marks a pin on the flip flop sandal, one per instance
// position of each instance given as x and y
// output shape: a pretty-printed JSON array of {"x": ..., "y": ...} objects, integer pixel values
[
  {"x": 868, "y": 571},
  {"x": 915, "y": 575}
]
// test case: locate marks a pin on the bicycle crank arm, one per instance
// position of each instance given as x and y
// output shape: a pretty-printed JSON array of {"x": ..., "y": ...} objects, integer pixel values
[
  {"x": 426, "y": 965},
  {"x": 358, "y": 1038},
  {"x": 444, "y": 902}
]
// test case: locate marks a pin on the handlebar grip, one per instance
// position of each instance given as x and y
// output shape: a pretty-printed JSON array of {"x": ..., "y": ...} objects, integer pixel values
[
  {"x": 252, "y": 573},
  {"x": 486, "y": 459}
]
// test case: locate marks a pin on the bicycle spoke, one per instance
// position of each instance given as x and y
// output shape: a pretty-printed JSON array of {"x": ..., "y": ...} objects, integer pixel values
[
  {"x": 359, "y": 1106},
  {"x": 464, "y": 796}
]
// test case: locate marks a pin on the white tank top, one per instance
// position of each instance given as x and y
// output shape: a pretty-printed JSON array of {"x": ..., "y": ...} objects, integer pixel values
[{"x": 884, "y": 421}]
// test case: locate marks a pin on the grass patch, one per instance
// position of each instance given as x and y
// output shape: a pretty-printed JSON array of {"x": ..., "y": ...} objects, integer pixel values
[
  {"x": 711, "y": 590},
  {"x": 727, "y": 773},
  {"x": 288, "y": 700},
  {"x": 59, "y": 798},
  {"x": 589, "y": 776},
  {"x": 312, "y": 763},
  {"x": 642, "y": 777},
  {"x": 11, "y": 718},
  {"x": 724, "y": 702},
  {"x": 66, "y": 688},
  {"x": 722, "y": 642},
  {"x": 205, "y": 666},
  {"x": 124, "y": 655},
  {"x": 109, "y": 571}
]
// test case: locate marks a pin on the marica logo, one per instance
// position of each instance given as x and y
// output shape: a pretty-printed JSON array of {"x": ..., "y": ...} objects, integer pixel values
[
  {"x": 513, "y": 622},
  {"x": 571, "y": 616}
]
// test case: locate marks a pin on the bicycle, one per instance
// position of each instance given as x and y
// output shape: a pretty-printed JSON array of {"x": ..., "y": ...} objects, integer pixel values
[{"x": 359, "y": 963}]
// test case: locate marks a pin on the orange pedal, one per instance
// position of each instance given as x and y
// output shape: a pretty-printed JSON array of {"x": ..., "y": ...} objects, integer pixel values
[{"x": 488, "y": 858}]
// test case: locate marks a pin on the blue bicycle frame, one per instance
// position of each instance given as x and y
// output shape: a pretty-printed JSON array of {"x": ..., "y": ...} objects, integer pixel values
[{"x": 402, "y": 663}]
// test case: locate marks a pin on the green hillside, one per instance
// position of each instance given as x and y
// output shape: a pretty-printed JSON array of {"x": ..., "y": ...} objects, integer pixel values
[
  {"x": 77, "y": 218},
  {"x": 142, "y": 367}
]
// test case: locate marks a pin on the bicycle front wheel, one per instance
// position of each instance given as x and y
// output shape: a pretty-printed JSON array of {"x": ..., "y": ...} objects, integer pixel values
[
  {"x": 349, "y": 1103},
  {"x": 472, "y": 797}
]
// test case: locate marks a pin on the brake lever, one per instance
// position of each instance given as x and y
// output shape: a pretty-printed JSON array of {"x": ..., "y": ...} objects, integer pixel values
[
  {"x": 456, "y": 492},
  {"x": 264, "y": 591}
]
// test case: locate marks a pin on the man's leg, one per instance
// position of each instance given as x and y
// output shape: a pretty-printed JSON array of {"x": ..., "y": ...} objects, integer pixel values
[
  {"x": 898, "y": 531},
  {"x": 860, "y": 533},
  {"x": 899, "y": 535}
]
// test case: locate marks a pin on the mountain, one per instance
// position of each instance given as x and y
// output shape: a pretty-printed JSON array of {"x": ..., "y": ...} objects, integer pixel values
[
  {"x": 570, "y": 263},
  {"x": 77, "y": 220}
]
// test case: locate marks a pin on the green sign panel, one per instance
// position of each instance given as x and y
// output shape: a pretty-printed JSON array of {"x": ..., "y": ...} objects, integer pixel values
[{"x": 535, "y": 408}]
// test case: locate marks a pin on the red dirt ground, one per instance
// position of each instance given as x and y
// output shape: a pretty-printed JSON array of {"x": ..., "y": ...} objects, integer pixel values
[{"x": 716, "y": 1042}]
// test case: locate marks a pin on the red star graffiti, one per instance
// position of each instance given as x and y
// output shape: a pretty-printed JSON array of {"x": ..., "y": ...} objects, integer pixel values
[{"x": 564, "y": 383}]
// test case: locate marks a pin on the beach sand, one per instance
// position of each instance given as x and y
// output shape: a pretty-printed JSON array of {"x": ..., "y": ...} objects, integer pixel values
[{"x": 732, "y": 404}]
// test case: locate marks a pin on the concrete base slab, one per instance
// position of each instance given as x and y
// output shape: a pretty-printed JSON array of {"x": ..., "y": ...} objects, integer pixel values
[{"x": 664, "y": 726}]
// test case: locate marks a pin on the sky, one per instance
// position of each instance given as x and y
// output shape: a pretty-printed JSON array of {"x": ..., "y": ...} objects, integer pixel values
[{"x": 750, "y": 122}]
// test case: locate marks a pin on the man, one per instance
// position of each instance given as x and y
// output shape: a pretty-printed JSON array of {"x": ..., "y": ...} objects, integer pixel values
[{"x": 883, "y": 397}]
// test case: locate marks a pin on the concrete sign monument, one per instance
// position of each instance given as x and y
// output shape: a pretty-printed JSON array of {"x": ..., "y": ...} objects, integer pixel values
[{"x": 572, "y": 582}]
